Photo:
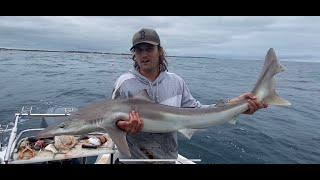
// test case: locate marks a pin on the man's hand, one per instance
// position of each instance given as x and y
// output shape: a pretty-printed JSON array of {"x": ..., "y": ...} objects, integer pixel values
[
  {"x": 133, "y": 125},
  {"x": 253, "y": 105}
]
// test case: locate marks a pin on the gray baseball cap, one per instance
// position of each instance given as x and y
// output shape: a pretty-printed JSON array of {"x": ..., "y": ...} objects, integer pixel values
[{"x": 145, "y": 36}]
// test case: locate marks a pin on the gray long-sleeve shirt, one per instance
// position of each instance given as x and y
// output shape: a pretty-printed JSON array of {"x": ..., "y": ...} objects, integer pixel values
[{"x": 168, "y": 89}]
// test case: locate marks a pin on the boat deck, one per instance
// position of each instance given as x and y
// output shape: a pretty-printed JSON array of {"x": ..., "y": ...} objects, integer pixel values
[{"x": 76, "y": 152}]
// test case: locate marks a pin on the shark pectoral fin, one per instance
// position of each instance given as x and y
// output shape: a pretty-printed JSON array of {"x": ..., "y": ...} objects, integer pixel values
[
  {"x": 188, "y": 132},
  {"x": 119, "y": 137},
  {"x": 274, "y": 99}
]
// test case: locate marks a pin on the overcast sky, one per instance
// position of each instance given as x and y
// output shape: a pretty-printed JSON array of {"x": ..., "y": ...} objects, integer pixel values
[{"x": 293, "y": 38}]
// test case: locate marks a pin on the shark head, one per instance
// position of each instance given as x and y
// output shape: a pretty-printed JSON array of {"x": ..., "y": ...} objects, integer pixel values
[
  {"x": 98, "y": 117},
  {"x": 71, "y": 126},
  {"x": 86, "y": 120}
]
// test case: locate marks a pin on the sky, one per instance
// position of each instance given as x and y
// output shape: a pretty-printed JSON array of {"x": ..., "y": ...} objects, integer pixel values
[{"x": 294, "y": 38}]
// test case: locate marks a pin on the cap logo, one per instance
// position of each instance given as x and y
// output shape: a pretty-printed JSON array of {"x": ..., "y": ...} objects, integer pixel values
[{"x": 142, "y": 35}]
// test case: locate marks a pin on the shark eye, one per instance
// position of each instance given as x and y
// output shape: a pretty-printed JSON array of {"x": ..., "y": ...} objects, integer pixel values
[{"x": 61, "y": 125}]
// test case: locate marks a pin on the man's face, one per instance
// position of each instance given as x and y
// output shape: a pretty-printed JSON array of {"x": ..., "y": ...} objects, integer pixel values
[{"x": 147, "y": 56}]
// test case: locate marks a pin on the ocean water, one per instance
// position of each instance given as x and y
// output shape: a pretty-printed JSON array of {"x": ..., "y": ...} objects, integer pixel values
[{"x": 276, "y": 135}]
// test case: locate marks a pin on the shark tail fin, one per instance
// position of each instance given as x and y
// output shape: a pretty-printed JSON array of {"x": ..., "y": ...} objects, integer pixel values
[
  {"x": 274, "y": 99},
  {"x": 265, "y": 86}
]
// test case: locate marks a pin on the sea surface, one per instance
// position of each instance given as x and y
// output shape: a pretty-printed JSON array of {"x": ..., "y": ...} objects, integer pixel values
[{"x": 276, "y": 135}]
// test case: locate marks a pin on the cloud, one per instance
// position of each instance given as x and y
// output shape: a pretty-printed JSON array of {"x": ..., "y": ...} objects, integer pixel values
[{"x": 216, "y": 36}]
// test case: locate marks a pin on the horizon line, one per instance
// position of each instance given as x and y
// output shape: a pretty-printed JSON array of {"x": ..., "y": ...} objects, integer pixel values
[{"x": 89, "y": 52}]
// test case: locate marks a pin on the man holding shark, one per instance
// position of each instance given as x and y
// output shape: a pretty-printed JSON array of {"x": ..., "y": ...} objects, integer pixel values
[
  {"x": 150, "y": 74},
  {"x": 149, "y": 106}
]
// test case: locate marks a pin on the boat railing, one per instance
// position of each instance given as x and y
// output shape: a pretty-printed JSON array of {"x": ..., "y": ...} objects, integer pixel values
[
  {"x": 14, "y": 137},
  {"x": 25, "y": 112}
]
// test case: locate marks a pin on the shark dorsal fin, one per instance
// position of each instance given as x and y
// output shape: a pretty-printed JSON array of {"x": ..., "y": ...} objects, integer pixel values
[{"x": 143, "y": 95}]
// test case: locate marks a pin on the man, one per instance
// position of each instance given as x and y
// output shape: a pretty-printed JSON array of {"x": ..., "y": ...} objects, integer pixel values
[{"x": 150, "y": 72}]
